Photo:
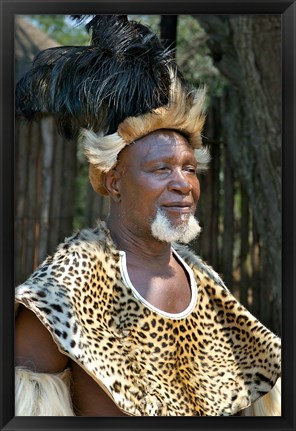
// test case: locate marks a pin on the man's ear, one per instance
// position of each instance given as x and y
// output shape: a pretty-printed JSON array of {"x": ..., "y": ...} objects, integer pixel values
[{"x": 112, "y": 184}]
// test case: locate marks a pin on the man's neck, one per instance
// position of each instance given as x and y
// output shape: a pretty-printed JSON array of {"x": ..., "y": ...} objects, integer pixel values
[
  {"x": 152, "y": 268},
  {"x": 139, "y": 248}
]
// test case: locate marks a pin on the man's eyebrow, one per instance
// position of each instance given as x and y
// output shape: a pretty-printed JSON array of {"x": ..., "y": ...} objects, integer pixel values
[
  {"x": 157, "y": 158},
  {"x": 167, "y": 159}
]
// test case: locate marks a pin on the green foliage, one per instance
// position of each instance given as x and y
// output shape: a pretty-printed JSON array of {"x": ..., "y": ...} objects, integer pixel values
[
  {"x": 193, "y": 56},
  {"x": 61, "y": 28},
  {"x": 192, "y": 52},
  {"x": 152, "y": 21}
]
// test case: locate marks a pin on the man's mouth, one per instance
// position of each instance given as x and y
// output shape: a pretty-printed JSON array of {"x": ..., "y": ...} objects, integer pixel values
[{"x": 180, "y": 207}]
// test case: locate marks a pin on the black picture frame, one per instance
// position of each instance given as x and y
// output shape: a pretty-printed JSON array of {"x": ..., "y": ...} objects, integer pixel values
[{"x": 9, "y": 8}]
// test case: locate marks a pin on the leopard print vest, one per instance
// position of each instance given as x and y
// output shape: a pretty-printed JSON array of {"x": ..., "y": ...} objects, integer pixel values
[{"x": 214, "y": 360}]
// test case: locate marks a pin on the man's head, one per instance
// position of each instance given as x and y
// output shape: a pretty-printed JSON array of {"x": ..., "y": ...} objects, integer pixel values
[
  {"x": 184, "y": 112},
  {"x": 154, "y": 189}
]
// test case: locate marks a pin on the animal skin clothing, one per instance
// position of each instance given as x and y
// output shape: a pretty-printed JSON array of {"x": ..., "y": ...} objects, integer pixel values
[{"x": 214, "y": 359}]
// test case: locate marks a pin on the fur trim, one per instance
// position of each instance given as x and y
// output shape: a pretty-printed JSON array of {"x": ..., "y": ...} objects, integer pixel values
[
  {"x": 102, "y": 151},
  {"x": 42, "y": 394},
  {"x": 96, "y": 178},
  {"x": 203, "y": 158},
  {"x": 184, "y": 113},
  {"x": 268, "y": 405}
]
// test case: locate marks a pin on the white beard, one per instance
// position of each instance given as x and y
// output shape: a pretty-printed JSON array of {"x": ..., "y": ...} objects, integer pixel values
[{"x": 185, "y": 232}]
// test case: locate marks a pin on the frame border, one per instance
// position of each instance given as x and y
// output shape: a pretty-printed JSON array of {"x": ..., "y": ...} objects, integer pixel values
[{"x": 7, "y": 11}]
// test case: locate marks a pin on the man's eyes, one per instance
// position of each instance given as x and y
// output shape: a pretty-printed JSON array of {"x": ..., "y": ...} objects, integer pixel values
[
  {"x": 162, "y": 168},
  {"x": 190, "y": 169}
]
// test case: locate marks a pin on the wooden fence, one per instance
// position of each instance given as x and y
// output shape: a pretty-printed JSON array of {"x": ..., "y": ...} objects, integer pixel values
[
  {"x": 229, "y": 240},
  {"x": 45, "y": 173}
]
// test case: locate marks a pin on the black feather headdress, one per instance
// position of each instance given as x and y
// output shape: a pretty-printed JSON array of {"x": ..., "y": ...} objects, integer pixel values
[
  {"x": 124, "y": 72},
  {"x": 122, "y": 87}
]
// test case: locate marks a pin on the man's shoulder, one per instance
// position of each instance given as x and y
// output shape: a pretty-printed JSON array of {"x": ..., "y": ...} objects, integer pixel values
[
  {"x": 76, "y": 253},
  {"x": 84, "y": 243},
  {"x": 87, "y": 239},
  {"x": 197, "y": 263}
]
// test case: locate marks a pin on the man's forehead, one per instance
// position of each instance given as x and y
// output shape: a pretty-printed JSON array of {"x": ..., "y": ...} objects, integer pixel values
[
  {"x": 160, "y": 141},
  {"x": 163, "y": 134},
  {"x": 158, "y": 144}
]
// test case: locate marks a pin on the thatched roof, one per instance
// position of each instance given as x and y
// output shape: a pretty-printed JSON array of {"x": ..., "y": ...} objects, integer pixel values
[{"x": 29, "y": 40}]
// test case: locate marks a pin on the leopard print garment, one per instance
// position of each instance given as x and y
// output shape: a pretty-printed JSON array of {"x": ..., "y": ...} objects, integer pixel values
[{"x": 213, "y": 362}]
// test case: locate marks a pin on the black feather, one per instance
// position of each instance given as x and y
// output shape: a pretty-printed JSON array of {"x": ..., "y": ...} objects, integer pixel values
[{"x": 124, "y": 72}]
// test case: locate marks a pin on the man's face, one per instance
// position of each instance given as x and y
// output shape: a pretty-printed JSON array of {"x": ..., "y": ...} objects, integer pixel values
[{"x": 157, "y": 172}]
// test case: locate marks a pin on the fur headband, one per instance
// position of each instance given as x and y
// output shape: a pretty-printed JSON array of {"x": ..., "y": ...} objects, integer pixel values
[{"x": 183, "y": 113}]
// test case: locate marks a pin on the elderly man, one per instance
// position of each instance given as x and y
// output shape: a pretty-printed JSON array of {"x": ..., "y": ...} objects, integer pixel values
[{"x": 125, "y": 320}]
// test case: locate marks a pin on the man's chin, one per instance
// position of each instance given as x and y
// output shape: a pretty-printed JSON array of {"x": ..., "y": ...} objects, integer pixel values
[
  {"x": 177, "y": 218},
  {"x": 183, "y": 228}
]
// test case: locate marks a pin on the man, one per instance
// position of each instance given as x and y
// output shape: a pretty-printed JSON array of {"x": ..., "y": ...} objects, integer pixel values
[
  {"x": 122, "y": 319},
  {"x": 154, "y": 191}
]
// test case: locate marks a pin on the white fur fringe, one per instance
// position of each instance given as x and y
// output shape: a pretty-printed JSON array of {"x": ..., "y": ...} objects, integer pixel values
[
  {"x": 268, "y": 405},
  {"x": 42, "y": 394}
]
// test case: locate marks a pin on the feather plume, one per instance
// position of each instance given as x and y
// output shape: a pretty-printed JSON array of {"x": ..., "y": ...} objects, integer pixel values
[{"x": 124, "y": 72}]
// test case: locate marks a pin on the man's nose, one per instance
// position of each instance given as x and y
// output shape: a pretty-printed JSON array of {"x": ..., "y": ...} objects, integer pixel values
[{"x": 179, "y": 182}]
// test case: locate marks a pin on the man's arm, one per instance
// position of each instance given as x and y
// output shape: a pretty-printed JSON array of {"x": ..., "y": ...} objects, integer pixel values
[
  {"x": 42, "y": 385},
  {"x": 39, "y": 364},
  {"x": 34, "y": 346}
]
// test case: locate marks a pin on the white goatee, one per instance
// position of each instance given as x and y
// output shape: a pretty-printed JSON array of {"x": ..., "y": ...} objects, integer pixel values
[{"x": 186, "y": 231}]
